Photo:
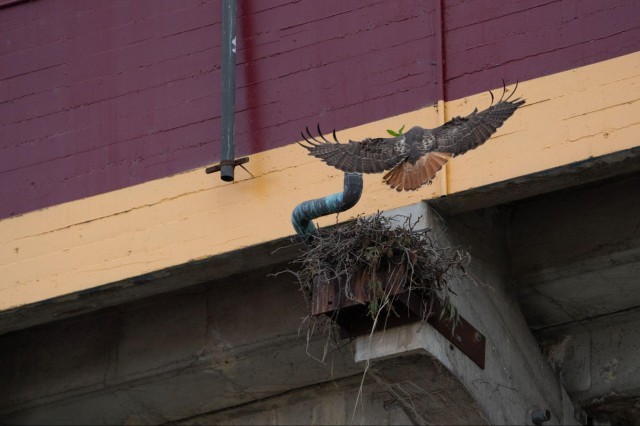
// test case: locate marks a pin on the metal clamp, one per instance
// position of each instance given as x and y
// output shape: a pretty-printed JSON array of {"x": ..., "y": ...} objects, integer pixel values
[{"x": 233, "y": 163}]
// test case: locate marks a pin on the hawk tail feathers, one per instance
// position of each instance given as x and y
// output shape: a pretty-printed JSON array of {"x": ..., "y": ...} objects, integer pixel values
[{"x": 409, "y": 177}]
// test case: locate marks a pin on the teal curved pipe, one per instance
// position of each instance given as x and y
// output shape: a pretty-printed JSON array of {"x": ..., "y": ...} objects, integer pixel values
[{"x": 304, "y": 213}]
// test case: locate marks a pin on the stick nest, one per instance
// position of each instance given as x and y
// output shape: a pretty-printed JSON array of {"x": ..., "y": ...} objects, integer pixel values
[{"x": 371, "y": 244}]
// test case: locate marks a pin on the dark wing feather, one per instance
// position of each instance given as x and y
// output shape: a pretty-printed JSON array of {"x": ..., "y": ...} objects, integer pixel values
[
  {"x": 367, "y": 156},
  {"x": 462, "y": 134}
]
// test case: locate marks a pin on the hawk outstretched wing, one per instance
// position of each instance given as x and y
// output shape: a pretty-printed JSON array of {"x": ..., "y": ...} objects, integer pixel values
[
  {"x": 366, "y": 156},
  {"x": 462, "y": 134},
  {"x": 415, "y": 157}
]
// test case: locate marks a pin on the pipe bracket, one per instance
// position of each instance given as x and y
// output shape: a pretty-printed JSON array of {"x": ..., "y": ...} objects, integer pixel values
[{"x": 234, "y": 163}]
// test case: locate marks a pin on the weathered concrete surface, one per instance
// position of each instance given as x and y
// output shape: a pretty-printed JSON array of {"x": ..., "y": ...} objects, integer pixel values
[
  {"x": 228, "y": 350},
  {"x": 215, "y": 268},
  {"x": 575, "y": 267},
  {"x": 597, "y": 361},
  {"x": 429, "y": 393},
  {"x": 576, "y": 254},
  {"x": 575, "y": 270},
  {"x": 571, "y": 261},
  {"x": 339, "y": 402},
  {"x": 410, "y": 389},
  {"x": 545, "y": 181},
  {"x": 166, "y": 358},
  {"x": 516, "y": 379}
]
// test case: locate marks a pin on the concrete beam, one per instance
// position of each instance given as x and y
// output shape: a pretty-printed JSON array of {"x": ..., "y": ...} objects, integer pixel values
[
  {"x": 350, "y": 400},
  {"x": 222, "y": 266},
  {"x": 554, "y": 179},
  {"x": 215, "y": 268},
  {"x": 429, "y": 393},
  {"x": 166, "y": 358},
  {"x": 597, "y": 362},
  {"x": 517, "y": 379},
  {"x": 576, "y": 254},
  {"x": 177, "y": 349}
]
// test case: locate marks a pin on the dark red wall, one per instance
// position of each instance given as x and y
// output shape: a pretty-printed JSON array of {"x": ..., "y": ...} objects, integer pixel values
[
  {"x": 98, "y": 95},
  {"x": 523, "y": 39}
]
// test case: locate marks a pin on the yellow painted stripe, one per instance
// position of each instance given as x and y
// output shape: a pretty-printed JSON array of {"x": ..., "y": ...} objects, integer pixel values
[{"x": 569, "y": 116}]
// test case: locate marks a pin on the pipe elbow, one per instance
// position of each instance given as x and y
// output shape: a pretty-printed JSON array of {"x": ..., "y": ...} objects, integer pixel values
[{"x": 304, "y": 213}]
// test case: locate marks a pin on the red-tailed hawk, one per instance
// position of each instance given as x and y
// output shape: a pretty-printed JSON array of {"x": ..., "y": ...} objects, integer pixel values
[{"x": 414, "y": 157}]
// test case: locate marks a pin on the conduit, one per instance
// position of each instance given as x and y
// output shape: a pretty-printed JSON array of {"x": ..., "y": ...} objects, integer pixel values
[
  {"x": 305, "y": 212},
  {"x": 227, "y": 131},
  {"x": 442, "y": 89}
]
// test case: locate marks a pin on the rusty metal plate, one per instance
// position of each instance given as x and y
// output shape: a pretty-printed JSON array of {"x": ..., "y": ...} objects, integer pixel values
[
  {"x": 330, "y": 296},
  {"x": 352, "y": 315},
  {"x": 462, "y": 334}
]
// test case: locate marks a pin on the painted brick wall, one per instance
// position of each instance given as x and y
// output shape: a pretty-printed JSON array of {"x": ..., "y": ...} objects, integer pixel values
[
  {"x": 486, "y": 41},
  {"x": 99, "y": 95}
]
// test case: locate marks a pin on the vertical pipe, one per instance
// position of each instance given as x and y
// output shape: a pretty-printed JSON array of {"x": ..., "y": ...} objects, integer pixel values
[
  {"x": 440, "y": 48},
  {"x": 442, "y": 92},
  {"x": 228, "y": 89}
]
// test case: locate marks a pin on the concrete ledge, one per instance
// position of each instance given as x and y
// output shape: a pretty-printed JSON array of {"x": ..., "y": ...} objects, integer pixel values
[
  {"x": 428, "y": 393},
  {"x": 517, "y": 379},
  {"x": 598, "y": 364},
  {"x": 216, "y": 268},
  {"x": 554, "y": 179}
]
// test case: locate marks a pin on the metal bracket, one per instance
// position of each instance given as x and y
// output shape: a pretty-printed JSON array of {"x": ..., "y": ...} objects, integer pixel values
[
  {"x": 462, "y": 334},
  {"x": 234, "y": 163},
  {"x": 352, "y": 314}
]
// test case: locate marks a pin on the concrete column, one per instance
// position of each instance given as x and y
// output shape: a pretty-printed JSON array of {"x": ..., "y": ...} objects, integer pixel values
[{"x": 516, "y": 380}]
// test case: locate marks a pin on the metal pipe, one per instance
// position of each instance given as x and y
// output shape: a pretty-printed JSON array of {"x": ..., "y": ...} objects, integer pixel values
[
  {"x": 228, "y": 89},
  {"x": 305, "y": 212},
  {"x": 442, "y": 88},
  {"x": 440, "y": 52}
]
